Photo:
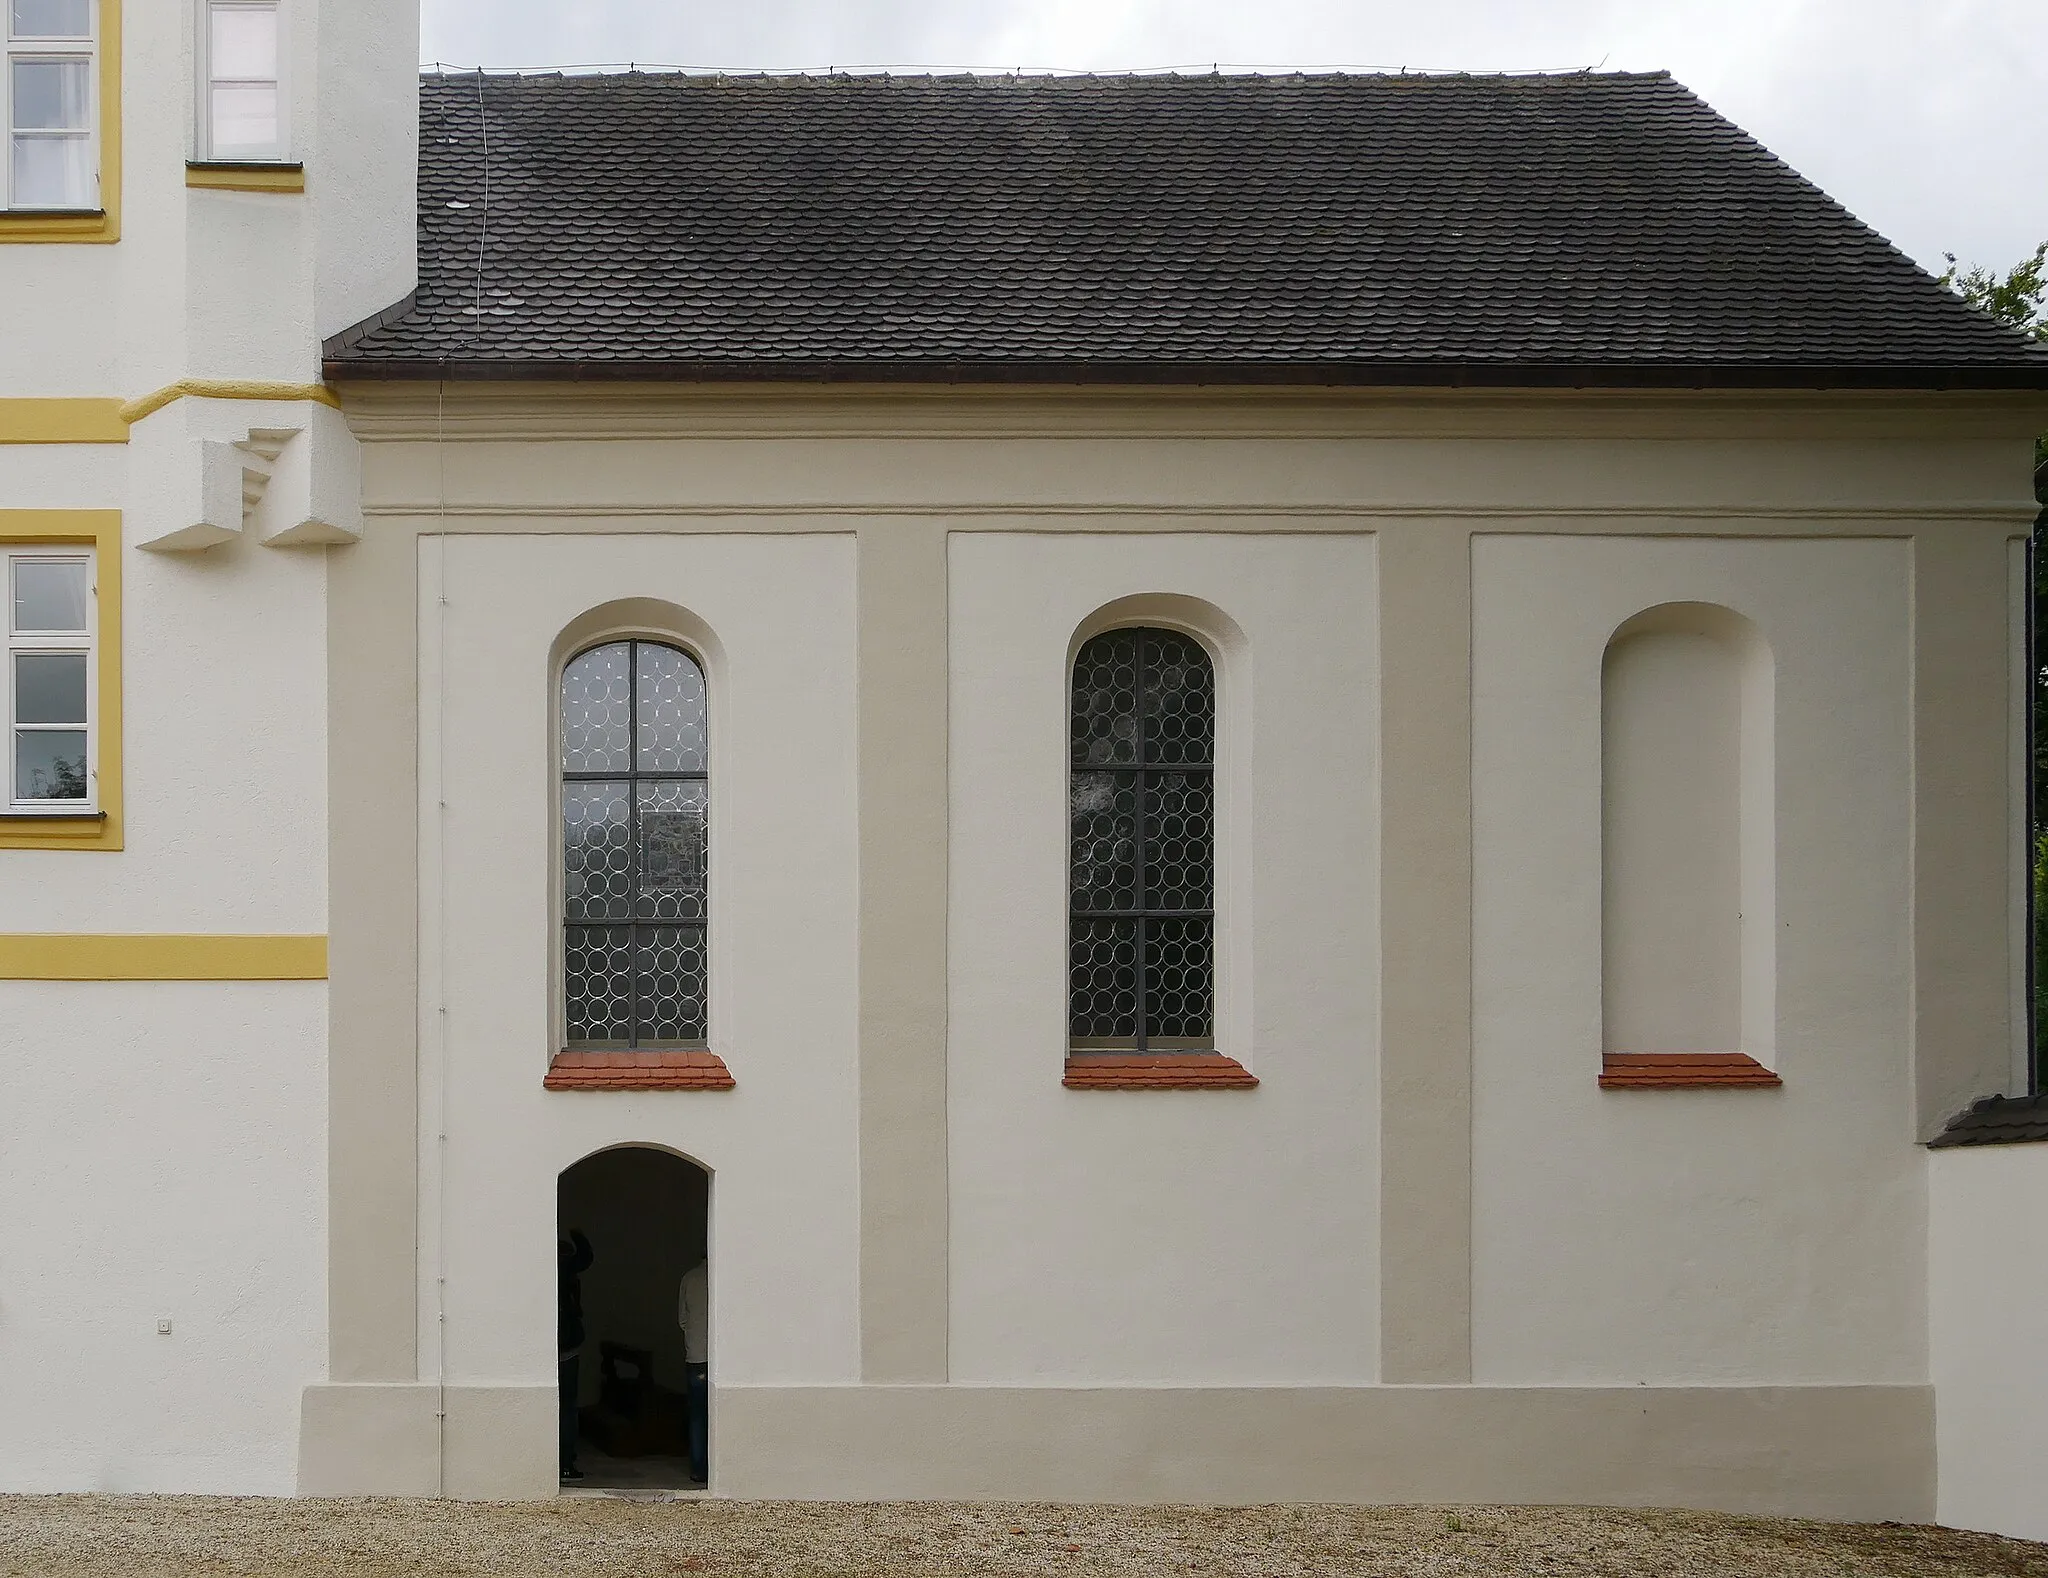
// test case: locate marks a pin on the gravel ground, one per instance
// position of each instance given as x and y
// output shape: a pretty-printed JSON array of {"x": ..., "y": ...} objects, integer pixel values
[{"x": 190, "y": 1536}]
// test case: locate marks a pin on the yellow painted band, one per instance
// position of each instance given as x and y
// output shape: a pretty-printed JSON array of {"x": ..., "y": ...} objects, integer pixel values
[
  {"x": 226, "y": 389},
  {"x": 246, "y": 177},
  {"x": 81, "y": 421},
  {"x": 51, "y": 956}
]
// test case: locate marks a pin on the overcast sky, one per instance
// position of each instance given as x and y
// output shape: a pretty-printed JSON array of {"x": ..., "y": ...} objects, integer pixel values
[{"x": 1928, "y": 118}]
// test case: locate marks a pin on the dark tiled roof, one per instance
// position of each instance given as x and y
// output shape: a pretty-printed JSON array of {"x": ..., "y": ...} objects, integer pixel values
[
  {"x": 1997, "y": 1120},
  {"x": 1392, "y": 229}
]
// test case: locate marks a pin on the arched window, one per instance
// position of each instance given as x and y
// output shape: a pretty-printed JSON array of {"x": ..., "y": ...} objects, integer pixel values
[
  {"x": 635, "y": 792},
  {"x": 1142, "y": 845}
]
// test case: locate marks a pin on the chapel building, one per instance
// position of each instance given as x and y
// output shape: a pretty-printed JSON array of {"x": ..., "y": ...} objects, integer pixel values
[{"x": 1234, "y": 788}]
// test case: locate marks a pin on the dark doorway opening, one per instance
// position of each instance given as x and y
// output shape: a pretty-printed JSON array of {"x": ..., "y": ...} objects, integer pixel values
[{"x": 632, "y": 1229}]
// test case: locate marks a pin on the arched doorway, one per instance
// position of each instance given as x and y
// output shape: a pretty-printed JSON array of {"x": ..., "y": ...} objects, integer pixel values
[{"x": 633, "y": 1243}]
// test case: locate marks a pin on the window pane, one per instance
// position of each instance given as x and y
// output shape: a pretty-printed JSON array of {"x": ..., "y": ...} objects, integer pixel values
[
  {"x": 49, "y": 688},
  {"x": 1180, "y": 699},
  {"x": 1102, "y": 981},
  {"x": 672, "y": 851},
  {"x": 50, "y": 596},
  {"x": 1179, "y": 841},
  {"x": 244, "y": 43},
  {"x": 671, "y": 711},
  {"x": 1105, "y": 716},
  {"x": 598, "y": 984},
  {"x": 670, "y": 961},
  {"x": 1177, "y": 978},
  {"x": 597, "y": 858},
  {"x": 52, "y": 172},
  {"x": 244, "y": 118},
  {"x": 52, "y": 95},
  {"x": 597, "y": 717},
  {"x": 49, "y": 764},
  {"x": 1103, "y": 841},
  {"x": 52, "y": 18}
]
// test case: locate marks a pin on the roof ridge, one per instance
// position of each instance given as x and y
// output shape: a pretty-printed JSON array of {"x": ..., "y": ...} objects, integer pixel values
[{"x": 628, "y": 71}]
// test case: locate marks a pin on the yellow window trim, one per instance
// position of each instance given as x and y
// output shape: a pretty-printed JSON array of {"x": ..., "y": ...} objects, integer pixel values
[
  {"x": 99, "y": 530},
  {"x": 57, "y": 421},
  {"x": 52, "y": 956},
  {"x": 103, "y": 225},
  {"x": 226, "y": 389},
  {"x": 221, "y": 175}
]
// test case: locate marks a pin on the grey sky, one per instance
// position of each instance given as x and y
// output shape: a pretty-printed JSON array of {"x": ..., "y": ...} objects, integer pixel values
[{"x": 1929, "y": 118}]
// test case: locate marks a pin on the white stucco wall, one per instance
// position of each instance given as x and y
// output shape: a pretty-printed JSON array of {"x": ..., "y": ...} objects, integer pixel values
[
  {"x": 162, "y": 1156},
  {"x": 783, "y": 1146},
  {"x": 224, "y": 680},
  {"x": 1168, "y": 1237},
  {"x": 1707, "y": 1235},
  {"x": 1988, "y": 1330},
  {"x": 231, "y": 284}
]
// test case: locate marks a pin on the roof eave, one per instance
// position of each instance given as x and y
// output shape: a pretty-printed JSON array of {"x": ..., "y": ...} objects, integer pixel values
[{"x": 1431, "y": 375}]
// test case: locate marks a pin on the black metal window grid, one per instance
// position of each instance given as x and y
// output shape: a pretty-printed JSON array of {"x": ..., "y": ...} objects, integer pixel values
[
  {"x": 1141, "y": 844},
  {"x": 635, "y": 851}
]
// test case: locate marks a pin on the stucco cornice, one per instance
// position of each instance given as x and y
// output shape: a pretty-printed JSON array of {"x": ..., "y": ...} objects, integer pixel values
[{"x": 542, "y": 411}]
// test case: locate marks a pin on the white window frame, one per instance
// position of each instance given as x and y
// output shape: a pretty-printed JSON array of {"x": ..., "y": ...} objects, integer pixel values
[
  {"x": 86, "y": 49},
  {"x": 86, "y": 642},
  {"x": 210, "y": 151}
]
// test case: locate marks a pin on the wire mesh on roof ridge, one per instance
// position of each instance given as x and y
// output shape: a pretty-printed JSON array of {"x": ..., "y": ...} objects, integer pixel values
[{"x": 917, "y": 72}]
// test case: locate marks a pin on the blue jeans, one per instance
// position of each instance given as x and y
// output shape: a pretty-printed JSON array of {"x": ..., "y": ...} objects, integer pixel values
[{"x": 697, "y": 1413}]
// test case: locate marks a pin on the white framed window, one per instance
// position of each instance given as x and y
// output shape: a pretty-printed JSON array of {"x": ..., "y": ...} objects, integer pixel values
[
  {"x": 49, "y": 97},
  {"x": 52, "y": 681},
  {"x": 241, "y": 88}
]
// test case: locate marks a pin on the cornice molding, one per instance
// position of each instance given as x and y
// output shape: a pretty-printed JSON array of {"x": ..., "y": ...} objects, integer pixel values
[
  {"x": 401, "y": 412},
  {"x": 1760, "y": 519}
]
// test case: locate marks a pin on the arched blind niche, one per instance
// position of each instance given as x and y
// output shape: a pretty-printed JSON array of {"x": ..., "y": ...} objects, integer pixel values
[
  {"x": 1142, "y": 844},
  {"x": 635, "y": 796},
  {"x": 1687, "y": 836}
]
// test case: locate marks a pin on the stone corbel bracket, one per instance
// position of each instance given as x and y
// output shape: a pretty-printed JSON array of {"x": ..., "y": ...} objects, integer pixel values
[{"x": 286, "y": 472}]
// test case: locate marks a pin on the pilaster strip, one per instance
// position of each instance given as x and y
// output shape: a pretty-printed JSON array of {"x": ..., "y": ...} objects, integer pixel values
[
  {"x": 1426, "y": 942},
  {"x": 903, "y": 829},
  {"x": 373, "y": 922},
  {"x": 1963, "y": 707}
]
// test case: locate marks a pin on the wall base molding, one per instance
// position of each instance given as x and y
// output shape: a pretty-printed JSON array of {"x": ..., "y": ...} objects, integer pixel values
[{"x": 1848, "y": 1452}]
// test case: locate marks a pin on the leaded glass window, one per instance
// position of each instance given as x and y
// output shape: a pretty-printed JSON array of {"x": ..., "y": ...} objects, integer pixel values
[
  {"x": 635, "y": 792},
  {"x": 1142, "y": 845}
]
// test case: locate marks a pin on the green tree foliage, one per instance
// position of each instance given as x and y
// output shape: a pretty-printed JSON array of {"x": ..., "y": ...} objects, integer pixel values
[{"x": 2019, "y": 301}]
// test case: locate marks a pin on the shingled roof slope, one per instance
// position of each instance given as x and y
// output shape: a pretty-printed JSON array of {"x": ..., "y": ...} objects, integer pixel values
[
  {"x": 1997, "y": 1120},
  {"x": 1322, "y": 228}
]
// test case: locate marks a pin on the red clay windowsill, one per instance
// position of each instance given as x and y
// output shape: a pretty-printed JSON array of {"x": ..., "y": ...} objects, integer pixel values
[
  {"x": 1678, "y": 1070},
  {"x": 1156, "y": 1071},
  {"x": 638, "y": 1071}
]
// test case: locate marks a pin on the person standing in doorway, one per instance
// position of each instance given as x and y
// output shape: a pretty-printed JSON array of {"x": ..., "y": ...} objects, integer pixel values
[
  {"x": 693, "y": 1314},
  {"x": 573, "y": 1256}
]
